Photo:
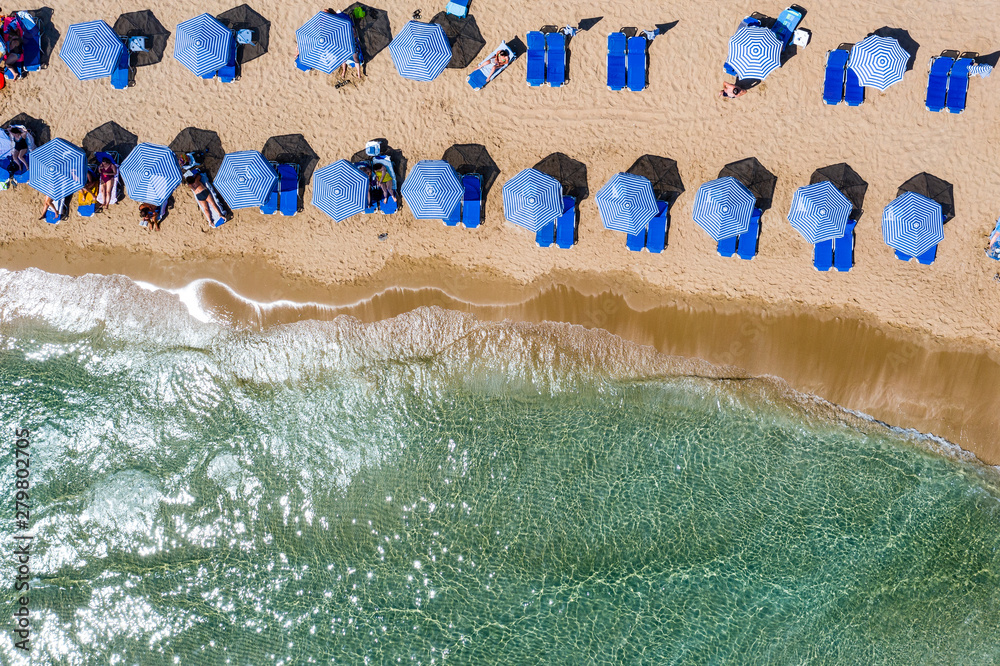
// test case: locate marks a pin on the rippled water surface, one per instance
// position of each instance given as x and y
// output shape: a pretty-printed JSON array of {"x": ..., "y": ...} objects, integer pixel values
[{"x": 433, "y": 489}]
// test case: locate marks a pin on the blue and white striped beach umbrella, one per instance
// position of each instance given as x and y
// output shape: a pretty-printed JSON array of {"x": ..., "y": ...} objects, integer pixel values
[
  {"x": 878, "y": 61},
  {"x": 754, "y": 52},
  {"x": 245, "y": 179},
  {"x": 912, "y": 224},
  {"x": 532, "y": 199},
  {"x": 57, "y": 169},
  {"x": 150, "y": 173},
  {"x": 626, "y": 203},
  {"x": 202, "y": 44},
  {"x": 723, "y": 207},
  {"x": 820, "y": 212},
  {"x": 326, "y": 41},
  {"x": 420, "y": 51},
  {"x": 432, "y": 190},
  {"x": 91, "y": 49},
  {"x": 340, "y": 190}
]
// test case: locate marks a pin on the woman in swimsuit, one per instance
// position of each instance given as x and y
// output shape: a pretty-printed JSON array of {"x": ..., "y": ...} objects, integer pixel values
[
  {"x": 384, "y": 181},
  {"x": 204, "y": 198},
  {"x": 20, "y": 147},
  {"x": 731, "y": 91},
  {"x": 107, "y": 172},
  {"x": 495, "y": 64},
  {"x": 149, "y": 215}
]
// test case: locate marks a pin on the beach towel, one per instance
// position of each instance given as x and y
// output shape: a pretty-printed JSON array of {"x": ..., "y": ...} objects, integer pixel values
[
  {"x": 85, "y": 198},
  {"x": 993, "y": 250},
  {"x": 114, "y": 184}
]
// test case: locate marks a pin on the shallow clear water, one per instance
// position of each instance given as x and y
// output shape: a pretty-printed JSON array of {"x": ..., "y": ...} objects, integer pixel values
[{"x": 433, "y": 489}]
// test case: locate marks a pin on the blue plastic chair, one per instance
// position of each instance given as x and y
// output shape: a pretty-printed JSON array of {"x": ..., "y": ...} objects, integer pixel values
[
  {"x": 119, "y": 76},
  {"x": 566, "y": 225},
  {"x": 823, "y": 255},
  {"x": 927, "y": 258},
  {"x": 727, "y": 246},
  {"x": 833, "y": 82},
  {"x": 958, "y": 85},
  {"x": 637, "y": 63},
  {"x": 747, "y": 246},
  {"x": 459, "y": 8},
  {"x": 854, "y": 92},
  {"x": 656, "y": 233},
  {"x": 555, "y": 73},
  {"x": 288, "y": 181},
  {"x": 786, "y": 24},
  {"x": 536, "y": 58},
  {"x": 228, "y": 71},
  {"x": 843, "y": 249},
  {"x": 32, "y": 43},
  {"x": 635, "y": 242},
  {"x": 455, "y": 217},
  {"x": 472, "y": 201},
  {"x": 270, "y": 207},
  {"x": 545, "y": 236},
  {"x": 617, "y": 77},
  {"x": 937, "y": 83}
]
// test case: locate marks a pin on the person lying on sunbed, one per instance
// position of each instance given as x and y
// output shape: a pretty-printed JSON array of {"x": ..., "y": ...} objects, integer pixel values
[
  {"x": 993, "y": 250},
  {"x": 20, "y": 137},
  {"x": 108, "y": 172},
  {"x": 492, "y": 65},
  {"x": 204, "y": 198}
]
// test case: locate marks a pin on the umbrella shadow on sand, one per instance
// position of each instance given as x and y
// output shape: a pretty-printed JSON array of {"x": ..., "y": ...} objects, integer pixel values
[
  {"x": 466, "y": 158},
  {"x": 205, "y": 144},
  {"x": 293, "y": 149},
  {"x": 663, "y": 174},
  {"x": 571, "y": 174},
  {"x": 848, "y": 181},
  {"x": 755, "y": 177},
  {"x": 903, "y": 37},
  {"x": 464, "y": 36},
  {"x": 144, "y": 24},
  {"x": 933, "y": 188},
  {"x": 110, "y": 138},
  {"x": 374, "y": 31},
  {"x": 245, "y": 18},
  {"x": 39, "y": 129}
]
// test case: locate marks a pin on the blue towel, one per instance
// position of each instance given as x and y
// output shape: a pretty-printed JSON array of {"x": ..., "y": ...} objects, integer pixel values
[
  {"x": 843, "y": 249},
  {"x": 566, "y": 226},
  {"x": 833, "y": 83},
  {"x": 854, "y": 92},
  {"x": 616, "y": 61},
  {"x": 472, "y": 210},
  {"x": 637, "y": 63},
  {"x": 656, "y": 235},
  {"x": 536, "y": 58},
  {"x": 937, "y": 83},
  {"x": 823, "y": 255},
  {"x": 555, "y": 74},
  {"x": 288, "y": 179}
]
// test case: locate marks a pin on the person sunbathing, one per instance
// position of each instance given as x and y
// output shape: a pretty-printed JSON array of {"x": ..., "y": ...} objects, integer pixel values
[
  {"x": 205, "y": 199},
  {"x": 15, "y": 56},
  {"x": 495, "y": 63},
  {"x": 149, "y": 216},
  {"x": 108, "y": 172},
  {"x": 731, "y": 91},
  {"x": 20, "y": 150}
]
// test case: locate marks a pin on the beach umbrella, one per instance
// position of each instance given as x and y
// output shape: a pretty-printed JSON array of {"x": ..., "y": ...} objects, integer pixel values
[
  {"x": 150, "y": 173},
  {"x": 464, "y": 37},
  {"x": 571, "y": 174},
  {"x": 532, "y": 199},
  {"x": 912, "y": 224},
  {"x": 819, "y": 212},
  {"x": 844, "y": 178},
  {"x": 754, "y": 52},
  {"x": 57, "y": 169},
  {"x": 753, "y": 176},
  {"x": 663, "y": 175},
  {"x": 245, "y": 18},
  {"x": 204, "y": 144},
  {"x": 91, "y": 50},
  {"x": 292, "y": 149},
  {"x": 878, "y": 61},
  {"x": 933, "y": 188},
  {"x": 326, "y": 41},
  {"x": 372, "y": 28},
  {"x": 202, "y": 44},
  {"x": 340, "y": 190},
  {"x": 144, "y": 24},
  {"x": 723, "y": 207},
  {"x": 626, "y": 203},
  {"x": 466, "y": 158},
  {"x": 110, "y": 138},
  {"x": 245, "y": 179},
  {"x": 420, "y": 51},
  {"x": 432, "y": 190}
]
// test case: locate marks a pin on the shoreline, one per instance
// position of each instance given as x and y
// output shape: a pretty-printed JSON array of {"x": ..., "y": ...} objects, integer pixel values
[{"x": 902, "y": 377}]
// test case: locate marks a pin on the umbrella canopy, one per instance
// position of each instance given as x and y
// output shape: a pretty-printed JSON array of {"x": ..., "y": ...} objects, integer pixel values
[
  {"x": 245, "y": 179},
  {"x": 57, "y": 169},
  {"x": 373, "y": 29},
  {"x": 432, "y": 190},
  {"x": 662, "y": 173},
  {"x": 144, "y": 24},
  {"x": 723, "y": 208},
  {"x": 150, "y": 173},
  {"x": 326, "y": 41},
  {"x": 626, "y": 203},
  {"x": 91, "y": 50},
  {"x": 933, "y": 188},
  {"x": 845, "y": 179},
  {"x": 878, "y": 61},
  {"x": 245, "y": 18},
  {"x": 571, "y": 174},
  {"x": 820, "y": 212},
  {"x": 466, "y": 158},
  {"x": 912, "y": 224},
  {"x": 205, "y": 144},
  {"x": 202, "y": 44},
  {"x": 464, "y": 36},
  {"x": 754, "y": 52},
  {"x": 532, "y": 199},
  {"x": 420, "y": 51},
  {"x": 292, "y": 149},
  {"x": 110, "y": 138},
  {"x": 340, "y": 190},
  {"x": 755, "y": 177}
]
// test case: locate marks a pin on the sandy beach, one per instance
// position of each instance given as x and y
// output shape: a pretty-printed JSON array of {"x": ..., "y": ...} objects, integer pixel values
[{"x": 915, "y": 346}]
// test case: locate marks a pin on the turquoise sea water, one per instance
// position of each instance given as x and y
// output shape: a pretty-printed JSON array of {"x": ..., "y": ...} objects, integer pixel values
[{"x": 436, "y": 490}]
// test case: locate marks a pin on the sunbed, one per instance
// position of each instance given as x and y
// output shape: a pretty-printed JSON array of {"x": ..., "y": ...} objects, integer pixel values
[
  {"x": 823, "y": 255},
  {"x": 545, "y": 236},
  {"x": 637, "y": 241},
  {"x": 270, "y": 207},
  {"x": 119, "y": 76},
  {"x": 958, "y": 85},
  {"x": 747, "y": 246},
  {"x": 455, "y": 217},
  {"x": 833, "y": 83},
  {"x": 637, "y": 63},
  {"x": 927, "y": 258},
  {"x": 459, "y": 8},
  {"x": 785, "y": 26},
  {"x": 555, "y": 72},
  {"x": 843, "y": 249},
  {"x": 536, "y": 58},
  {"x": 304, "y": 68},
  {"x": 566, "y": 225},
  {"x": 727, "y": 246},
  {"x": 854, "y": 92},
  {"x": 903, "y": 257},
  {"x": 478, "y": 79},
  {"x": 228, "y": 72},
  {"x": 617, "y": 77},
  {"x": 54, "y": 218},
  {"x": 388, "y": 206},
  {"x": 472, "y": 200},
  {"x": 288, "y": 179},
  {"x": 86, "y": 202},
  {"x": 114, "y": 157},
  {"x": 937, "y": 82},
  {"x": 656, "y": 235},
  {"x": 31, "y": 40}
]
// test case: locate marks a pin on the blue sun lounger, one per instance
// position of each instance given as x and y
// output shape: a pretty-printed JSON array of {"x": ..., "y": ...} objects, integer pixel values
[
  {"x": 617, "y": 61},
  {"x": 270, "y": 207},
  {"x": 55, "y": 218},
  {"x": 566, "y": 225},
  {"x": 478, "y": 78},
  {"x": 472, "y": 201},
  {"x": 823, "y": 255},
  {"x": 902, "y": 257},
  {"x": 635, "y": 242},
  {"x": 459, "y": 8},
  {"x": 843, "y": 248},
  {"x": 536, "y": 58},
  {"x": 31, "y": 41},
  {"x": 304, "y": 68},
  {"x": 927, "y": 258},
  {"x": 288, "y": 179},
  {"x": 958, "y": 85},
  {"x": 388, "y": 206},
  {"x": 455, "y": 217},
  {"x": 637, "y": 63},
  {"x": 119, "y": 75},
  {"x": 747, "y": 246},
  {"x": 786, "y": 24},
  {"x": 854, "y": 92},
  {"x": 656, "y": 233},
  {"x": 937, "y": 83},
  {"x": 727, "y": 246},
  {"x": 545, "y": 236},
  {"x": 833, "y": 83},
  {"x": 228, "y": 71},
  {"x": 555, "y": 72}
]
